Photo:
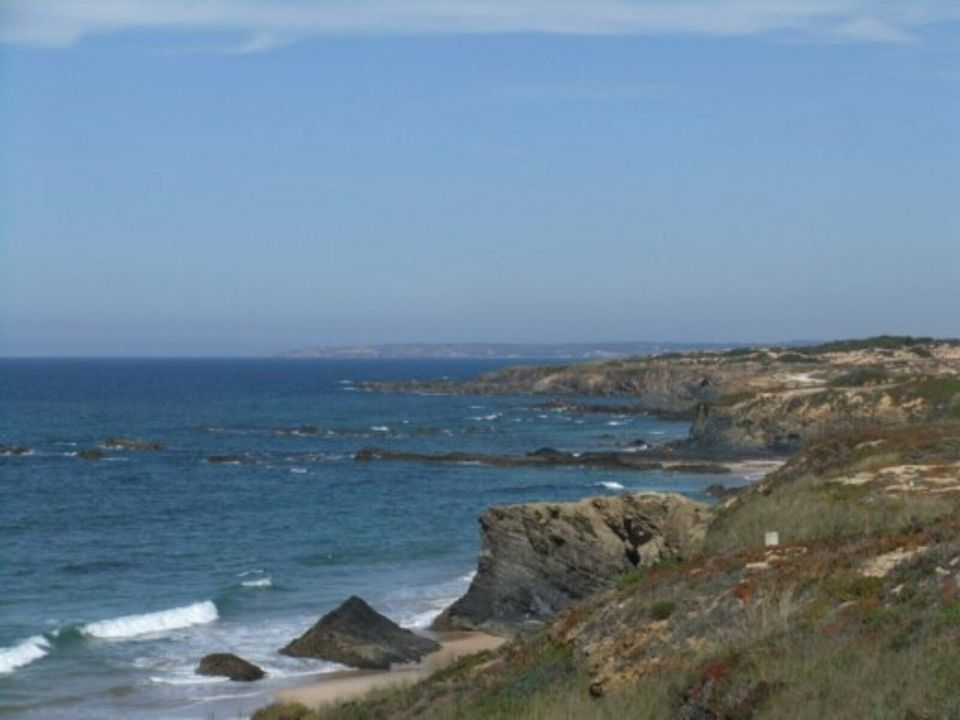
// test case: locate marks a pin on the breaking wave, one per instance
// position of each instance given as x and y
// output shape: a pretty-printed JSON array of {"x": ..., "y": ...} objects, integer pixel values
[
  {"x": 23, "y": 653},
  {"x": 610, "y": 485},
  {"x": 129, "y": 626}
]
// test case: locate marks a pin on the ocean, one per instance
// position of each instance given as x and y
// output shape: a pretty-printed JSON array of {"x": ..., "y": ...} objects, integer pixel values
[{"x": 118, "y": 574}]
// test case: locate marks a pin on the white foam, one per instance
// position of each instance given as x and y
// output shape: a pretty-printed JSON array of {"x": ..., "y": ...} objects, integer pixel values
[
  {"x": 615, "y": 423},
  {"x": 299, "y": 470},
  {"x": 487, "y": 418},
  {"x": 263, "y": 582},
  {"x": 423, "y": 609},
  {"x": 380, "y": 428},
  {"x": 610, "y": 485},
  {"x": 23, "y": 653},
  {"x": 197, "y": 680},
  {"x": 130, "y": 626}
]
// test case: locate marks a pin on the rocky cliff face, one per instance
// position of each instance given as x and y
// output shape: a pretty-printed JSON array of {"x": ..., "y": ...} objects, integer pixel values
[
  {"x": 783, "y": 421},
  {"x": 540, "y": 557}
]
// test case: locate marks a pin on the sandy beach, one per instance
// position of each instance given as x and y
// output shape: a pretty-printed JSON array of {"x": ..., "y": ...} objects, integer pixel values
[{"x": 350, "y": 684}]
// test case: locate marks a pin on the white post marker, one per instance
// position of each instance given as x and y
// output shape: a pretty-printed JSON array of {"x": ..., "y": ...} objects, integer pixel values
[{"x": 771, "y": 538}]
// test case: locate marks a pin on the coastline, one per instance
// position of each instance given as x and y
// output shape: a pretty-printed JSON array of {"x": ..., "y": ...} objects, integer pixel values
[{"x": 346, "y": 685}]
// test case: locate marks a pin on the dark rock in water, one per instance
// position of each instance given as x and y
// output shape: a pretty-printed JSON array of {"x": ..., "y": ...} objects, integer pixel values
[
  {"x": 13, "y": 449},
  {"x": 547, "y": 453},
  {"x": 227, "y": 459},
  {"x": 121, "y": 443},
  {"x": 541, "y": 557},
  {"x": 298, "y": 431},
  {"x": 366, "y": 454},
  {"x": 544, "y": 457},
  {"x": 428, "y": 431},
  {"x": 357, "y": 635},
  {"x": 91, "y": 454},
  {"x": 699, "y": 468},
  {"x": 638, "y": 443},
  {"x": 229, "y": 665}
]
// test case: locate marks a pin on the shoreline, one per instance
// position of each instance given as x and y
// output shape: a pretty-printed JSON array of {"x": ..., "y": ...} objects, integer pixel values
[{"x": 351, "y": 684}]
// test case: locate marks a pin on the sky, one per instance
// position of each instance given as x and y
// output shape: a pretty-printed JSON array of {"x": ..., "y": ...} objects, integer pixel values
[{"x": 243, "y": 177}]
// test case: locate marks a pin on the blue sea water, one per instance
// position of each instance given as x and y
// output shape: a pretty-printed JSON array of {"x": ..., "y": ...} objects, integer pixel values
[{"x": 117, "y": 575}]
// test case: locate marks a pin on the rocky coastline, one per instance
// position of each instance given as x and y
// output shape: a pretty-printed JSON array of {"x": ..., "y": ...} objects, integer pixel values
[{"x": 768, "y": 604}]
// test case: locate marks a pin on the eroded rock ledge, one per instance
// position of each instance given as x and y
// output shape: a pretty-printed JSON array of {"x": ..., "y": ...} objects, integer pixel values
[{"x": 539, "y": 558}]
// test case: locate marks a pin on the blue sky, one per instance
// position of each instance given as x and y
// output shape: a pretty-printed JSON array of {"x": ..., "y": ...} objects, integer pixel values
[{"x": 212, "y": 178}]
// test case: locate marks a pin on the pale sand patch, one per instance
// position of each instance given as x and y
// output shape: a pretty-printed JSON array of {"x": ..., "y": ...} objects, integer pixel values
[
  {"x": 881, "y": 565},
  {"x": 754, "y": 468},
  {"x": 352, "y": 684}
]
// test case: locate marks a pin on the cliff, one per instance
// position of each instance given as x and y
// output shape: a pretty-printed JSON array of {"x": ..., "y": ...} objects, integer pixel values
[{"x": 541, "y": 557}]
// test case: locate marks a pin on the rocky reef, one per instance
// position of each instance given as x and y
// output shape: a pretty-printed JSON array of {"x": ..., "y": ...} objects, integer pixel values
[
  {"x": 547, "y": 457},
  {"x": 14, "y": 450},
  {"x": 538, "y": 558}
]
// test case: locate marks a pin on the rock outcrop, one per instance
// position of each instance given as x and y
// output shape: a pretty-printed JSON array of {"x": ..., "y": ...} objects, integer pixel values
[
  {"x": 783, "y": 421},
  {"x": 229, "y": 665},
  {"x": 357, "y": 635},
  {"x": 539, "y": 558}
]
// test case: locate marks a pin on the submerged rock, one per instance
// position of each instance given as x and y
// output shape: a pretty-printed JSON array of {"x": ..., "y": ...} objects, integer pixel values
[
  {"x": 13, "y": 449},
  {"x": 229, "y": 665},
  {"x": 299, "y": 431},
  {"x": 228, "y": 459},
  {"x": 122, "y": 443},
  {"x": 540, "y": 557},
  {"x": 91, "y": 454},
  {"x": 357, "y": 635}
]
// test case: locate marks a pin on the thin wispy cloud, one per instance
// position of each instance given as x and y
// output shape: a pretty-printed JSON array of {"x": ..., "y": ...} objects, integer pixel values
[{"x": 265, "y": 24}]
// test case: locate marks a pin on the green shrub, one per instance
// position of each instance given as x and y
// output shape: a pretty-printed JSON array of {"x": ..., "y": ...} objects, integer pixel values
[
  {"x": 662, "y": 609},
  {"x": 627, "y": 581}
]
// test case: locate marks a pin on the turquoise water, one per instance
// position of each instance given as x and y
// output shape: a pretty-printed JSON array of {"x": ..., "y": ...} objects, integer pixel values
[{"x": 117, "y": 575}]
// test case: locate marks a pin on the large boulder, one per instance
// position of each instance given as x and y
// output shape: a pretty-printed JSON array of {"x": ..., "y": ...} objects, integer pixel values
[
  {"x": 229, "y": 665},
  {"x": 538, "y": 558},
  {"x": 357, "y": 635}
]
